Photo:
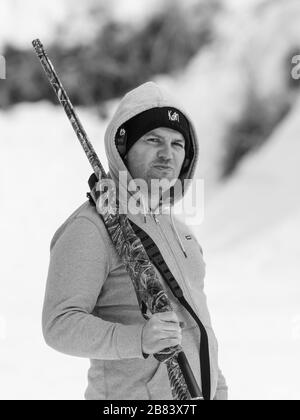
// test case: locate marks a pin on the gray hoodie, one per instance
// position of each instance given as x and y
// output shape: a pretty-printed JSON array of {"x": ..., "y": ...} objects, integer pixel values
[{"x": 90, "y": 307}]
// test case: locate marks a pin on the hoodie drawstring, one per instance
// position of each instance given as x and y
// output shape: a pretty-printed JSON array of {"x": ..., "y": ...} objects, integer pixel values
[
  {"x": 172, "y": 223},
  {"x": 144, "y": 209}
]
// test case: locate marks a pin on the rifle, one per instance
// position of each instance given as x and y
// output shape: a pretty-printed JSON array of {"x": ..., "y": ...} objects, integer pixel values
[{"x": 150, "y": 293}]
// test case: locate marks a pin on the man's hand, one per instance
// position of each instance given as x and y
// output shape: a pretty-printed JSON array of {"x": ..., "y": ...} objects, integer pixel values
[{"x": 162, "y": 330}]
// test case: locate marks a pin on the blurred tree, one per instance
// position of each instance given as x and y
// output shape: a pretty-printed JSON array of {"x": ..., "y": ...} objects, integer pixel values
[
  {"x": 258, "y": 122},
  {"x": 119, "y": 57}
]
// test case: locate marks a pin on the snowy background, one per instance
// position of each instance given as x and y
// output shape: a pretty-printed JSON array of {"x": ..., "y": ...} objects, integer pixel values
[{"x": 246, "y": 106}]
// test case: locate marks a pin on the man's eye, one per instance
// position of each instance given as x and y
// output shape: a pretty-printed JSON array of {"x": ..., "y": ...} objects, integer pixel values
[
  {"x": 180, "y": 144},
  {"x": 153, "y": 139}
]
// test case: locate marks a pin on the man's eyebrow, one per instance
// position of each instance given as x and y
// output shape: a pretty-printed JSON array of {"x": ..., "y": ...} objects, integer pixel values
[{"x": 151, "y": 133}]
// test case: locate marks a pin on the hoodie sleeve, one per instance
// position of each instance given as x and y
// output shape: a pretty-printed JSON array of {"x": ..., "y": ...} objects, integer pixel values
[{"x": 79, "y": 266}]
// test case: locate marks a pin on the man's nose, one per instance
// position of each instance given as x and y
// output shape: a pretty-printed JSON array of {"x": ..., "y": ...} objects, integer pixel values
[{"x": 165, "y": 152}]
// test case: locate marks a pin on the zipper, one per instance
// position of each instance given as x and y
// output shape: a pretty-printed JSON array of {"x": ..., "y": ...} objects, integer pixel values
[{"x": 178, "y": 266}]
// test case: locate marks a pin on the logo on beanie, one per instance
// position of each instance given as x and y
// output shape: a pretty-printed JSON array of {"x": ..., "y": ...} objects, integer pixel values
[
  {"x": 173, "y": 116},
  {"x": 122, "y": 132}
]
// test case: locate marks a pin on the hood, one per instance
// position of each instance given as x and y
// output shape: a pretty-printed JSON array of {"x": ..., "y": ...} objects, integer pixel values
[{"x": 142, "y": 98}]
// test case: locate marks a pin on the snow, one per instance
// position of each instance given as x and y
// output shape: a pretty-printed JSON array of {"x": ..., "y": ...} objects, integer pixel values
[
  {"x": 31, "y": 18},
  {"x": 249, "y": 239},
  {"x": 252, "y": 253},
  {"x": 249, "y": 57},
  {"x": 249, "y": 234},
  {"x": 40, "y": 18},
  {"x": 43, "y": 175}
]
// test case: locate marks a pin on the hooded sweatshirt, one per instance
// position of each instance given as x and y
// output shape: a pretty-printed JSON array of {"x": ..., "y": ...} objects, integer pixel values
[{"x": 90, "y": 307}]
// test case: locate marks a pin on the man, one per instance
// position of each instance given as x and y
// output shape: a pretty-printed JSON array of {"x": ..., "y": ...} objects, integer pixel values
[{"x": 90, "y": 308}]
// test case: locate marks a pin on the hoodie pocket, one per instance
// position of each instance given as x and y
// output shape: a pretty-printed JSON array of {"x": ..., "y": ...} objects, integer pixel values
[{"x": 158, "y": 386}]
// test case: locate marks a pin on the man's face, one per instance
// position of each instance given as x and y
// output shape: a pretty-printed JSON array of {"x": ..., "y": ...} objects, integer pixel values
[{"x": 159, "y": 154}]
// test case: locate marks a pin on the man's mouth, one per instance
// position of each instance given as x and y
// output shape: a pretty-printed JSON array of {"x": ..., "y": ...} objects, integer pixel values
[{"x": 163, "y": 167}]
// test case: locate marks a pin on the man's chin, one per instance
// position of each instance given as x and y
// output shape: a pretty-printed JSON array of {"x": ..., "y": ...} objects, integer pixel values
[
  {"x": 162, "y": 179},
  {"x": 161, "y": 174}
]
